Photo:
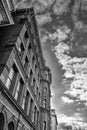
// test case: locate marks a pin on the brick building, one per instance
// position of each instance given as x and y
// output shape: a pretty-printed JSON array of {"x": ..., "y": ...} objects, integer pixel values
[{"x": 24, "y": 79}]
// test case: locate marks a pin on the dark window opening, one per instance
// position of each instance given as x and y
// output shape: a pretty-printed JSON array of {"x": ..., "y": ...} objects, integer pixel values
[
  {"x": 26, "y": 35},
  {"x": 11, "y": 126},
  {"x": 29, "y": 47},
  {"x": 26, "y": 63},
  {"x": 2, "y": 121},
  {"x": 26, "y": 101}
]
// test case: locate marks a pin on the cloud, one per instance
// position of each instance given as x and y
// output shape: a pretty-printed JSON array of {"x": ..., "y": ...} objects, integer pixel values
[
  {"x": 61, "y": 33},
  {"x": 42, "y": 19},
  {"x": 46, "y": 3},
  {"x": 76, "y": 121},
  {"x": 75, "y": 68},
  {"x": 67, "y": 100},
  {"x": 42, "y": 7},
  {"x": 61, "y": 6}
]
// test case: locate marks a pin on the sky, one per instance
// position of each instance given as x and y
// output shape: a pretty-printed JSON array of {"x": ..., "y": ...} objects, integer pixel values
[{"x": 62, "y": 26}]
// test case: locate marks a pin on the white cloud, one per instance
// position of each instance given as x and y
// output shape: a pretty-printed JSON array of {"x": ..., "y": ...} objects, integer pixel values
[
  {"x": 46, "y": 3},
  {"x": 75, "y": 120},
  {"x": 75, "y": 68},
  {"x": 42, "y": 19},
  {"x": 61, "y": 33},
  {"x": 61, "y": 6},
  {"x": 67, "y": 100}
]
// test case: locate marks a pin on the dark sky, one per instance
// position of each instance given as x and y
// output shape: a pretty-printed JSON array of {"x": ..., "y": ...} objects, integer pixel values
[{"x": 62, "y": 27}]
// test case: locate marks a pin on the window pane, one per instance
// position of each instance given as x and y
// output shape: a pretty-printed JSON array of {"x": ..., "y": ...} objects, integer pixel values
[
  {"x": 11, "y": 73},
  {"x": 8, "y": 83},
  {"x": 1, "y": 18},
  {"x": 18, "y": 86},
  {"x": 17, "y": 91},
  {"x": 23, "y": 103}
]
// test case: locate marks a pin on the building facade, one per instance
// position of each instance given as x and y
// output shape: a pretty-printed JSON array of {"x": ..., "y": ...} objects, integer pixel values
[
  {"x": 54, "y": 122},
  {"x": 5, "y": 14},
  {"x": 24, "y": 79}
]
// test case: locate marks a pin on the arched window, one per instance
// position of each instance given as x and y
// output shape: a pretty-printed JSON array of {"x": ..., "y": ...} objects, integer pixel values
[
  {"x": 2, "y": 121},
  {"x": 11, "y": 126}
]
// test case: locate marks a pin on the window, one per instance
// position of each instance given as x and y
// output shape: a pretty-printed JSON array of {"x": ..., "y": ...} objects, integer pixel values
[
  {"x": 39, "y": 98},
  {"x": 17, "y": 90},
  {"x": 12, "y": 72},
  {"x": 1, "y": 18},
  {"x": 31, "y": 74},
  {"x": 34, "y": 81},
  {"x": 21, "y": 49},
  {"x": 37, "y": 119},
  {"x": 11, "y": 126},
  {"x": 44, "y": 125},
  {"x": 44, "y": 103},
  {"x": 26, "y": 63},
  {"x": 29, "y": 47},
  {"x": 30, "y": 111},
  {"x": 9, "y": 79},
  {"x": 26, "y": 101},
  {"x": 45, "y": 90},
  {"x": 35, "y": 67},
  {"x": 37, "y": 93},
  {"x": 2, "y": 121},
  {"x": 45, "y": 75},
  {"x": 26, "y": 35},
  {"x": 33, "y": 59},
  {"x": 23, "y": 102},
  {"x": 35, "y": 110}
]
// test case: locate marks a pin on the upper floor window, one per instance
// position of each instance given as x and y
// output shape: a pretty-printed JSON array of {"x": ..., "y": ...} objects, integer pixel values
[
  {"x": 1, "y": 18},
  {"x": 29, "y": 47},
  {"x": 35, "y": 67},
  {"x": 12, "y": 72},
  {"x": 26, "y": 63},
  {"x": 37, "y": 93},
  {"x": 21, "y": 49},
  {"x": 30, "y": 109},
  {"x": 44, "y": 103},
  {"x": 31, "y": 74},
  {"x": 26, "y": 101},
  {"x": 23, "y": 102},
  {"x": 26, "y": 36},
  {"x": 35, "y": 110},
  {"x": 17, "y": 90},
  {"x": 39, "y": 98},
  {"x": 34, "y": 81}
]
